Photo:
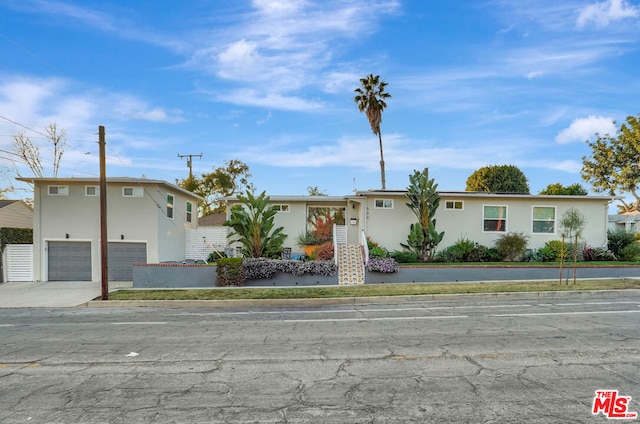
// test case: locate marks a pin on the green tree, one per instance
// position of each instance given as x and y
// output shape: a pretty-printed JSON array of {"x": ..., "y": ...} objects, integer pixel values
[
  {"x": 223, "y": 181},
  {"x": 572, "y": 223},
  {"x": 498, "y": 179},
  {"x": 423, "y": 201},
  {"x": 614, "y": 164},
  {"x": 370, "y": 97},
  {"x": 558, "y": 189},
  {"x": 315, "y": 191},
  {"x": 252, "y": 222}
]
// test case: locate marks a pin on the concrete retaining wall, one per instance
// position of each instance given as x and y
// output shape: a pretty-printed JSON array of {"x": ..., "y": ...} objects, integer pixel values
[{"x": 195, "y": 275}]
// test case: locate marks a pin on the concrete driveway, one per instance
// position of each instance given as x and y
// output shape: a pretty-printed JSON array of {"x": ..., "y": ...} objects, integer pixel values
[{"x": 52, "y": 294}]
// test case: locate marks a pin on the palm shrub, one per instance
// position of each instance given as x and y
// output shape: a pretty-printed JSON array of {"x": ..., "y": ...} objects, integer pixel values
[
  {"x": 630, "y": 252},
  {"x": 253, "y": 225},
  {"x": 512, "y": 246}
]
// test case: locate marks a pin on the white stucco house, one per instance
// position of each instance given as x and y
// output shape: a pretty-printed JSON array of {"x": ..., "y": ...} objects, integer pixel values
[
  {"x": 477, "y": 216},
  {"x": 147, "y": 221}
]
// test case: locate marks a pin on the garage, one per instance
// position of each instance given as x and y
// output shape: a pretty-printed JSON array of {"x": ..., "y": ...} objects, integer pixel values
[
  {"x": 121, "y": 256},
  {"x": 69, "y": 261}
]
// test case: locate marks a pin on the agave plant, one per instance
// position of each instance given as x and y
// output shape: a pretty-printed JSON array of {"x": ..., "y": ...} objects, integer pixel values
[{"x": 252, "y": 223}]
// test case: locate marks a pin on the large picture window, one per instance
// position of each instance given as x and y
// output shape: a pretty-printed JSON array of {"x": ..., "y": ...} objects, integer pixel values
[
  {"x": 544, "y": 220},
  {"x": 495, "y": 218}
]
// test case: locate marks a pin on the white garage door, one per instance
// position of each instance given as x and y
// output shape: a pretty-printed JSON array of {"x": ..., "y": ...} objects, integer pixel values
[
  {"x": 69, "y": 260},
  {"x": 121, "y": 256}
]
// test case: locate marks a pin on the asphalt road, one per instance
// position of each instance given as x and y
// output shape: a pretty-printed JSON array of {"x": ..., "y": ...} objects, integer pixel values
[{"x": 463, "y": 361}]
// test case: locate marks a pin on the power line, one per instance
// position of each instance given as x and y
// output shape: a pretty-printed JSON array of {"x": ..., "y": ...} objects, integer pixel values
[
  {"x": 23, "y": 126},
  {"x": 33, "y": 55}
]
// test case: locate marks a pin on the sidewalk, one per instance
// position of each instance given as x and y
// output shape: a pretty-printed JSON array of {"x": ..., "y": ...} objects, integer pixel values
[{"x": 52, "y": 294}]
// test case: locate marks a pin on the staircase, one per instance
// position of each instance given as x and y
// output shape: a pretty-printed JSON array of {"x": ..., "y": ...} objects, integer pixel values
[{"x": 349, "y": 259}]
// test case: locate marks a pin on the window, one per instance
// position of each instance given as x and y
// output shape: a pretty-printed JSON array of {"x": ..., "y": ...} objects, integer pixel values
[
  {"x": 189, "y": 211},
  {"x": 132, "y": 191},
  {"x": 91, "y": 191},
  {"x": 544, "y": 220},
  {"x": 453, "y": 204},
  {"x": 495, "y": 218},
  {"x": 170, "y": 205},
  {"x": 58, "y": 190},
  {"x": 281, "y": 208},
  {"x": 383, "y": 203}
]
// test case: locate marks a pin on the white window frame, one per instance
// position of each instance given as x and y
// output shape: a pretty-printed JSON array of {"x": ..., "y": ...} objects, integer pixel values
[
  {"x": 453, "y": 205},
  {"x": 282, "y": 207},
  {"x": 59, "y": 190},
  {"x": 135, "y": 192},
  {"x": 555, "y": 219},
  {"x": 386, "y": 203},
  {"x": 189, "y": 212},
  {"x": 96, "y": 190},
  {"x": 505, "y": 219},
  {"x": 170, "y": 205}
]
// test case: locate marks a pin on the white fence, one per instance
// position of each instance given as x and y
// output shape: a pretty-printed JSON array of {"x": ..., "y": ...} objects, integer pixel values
[
  {"x": 200, "y": 242},
  {"x": 17, "y": 260}
]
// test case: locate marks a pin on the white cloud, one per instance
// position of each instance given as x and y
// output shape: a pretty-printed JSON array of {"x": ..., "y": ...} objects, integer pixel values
[
  {"x": 269, "y": 100},
  {"x": 582, "y": 129},
  {"x": 603, "y": 13}
]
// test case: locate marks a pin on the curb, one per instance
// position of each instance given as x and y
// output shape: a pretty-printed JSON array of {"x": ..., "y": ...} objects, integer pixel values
[{"x": 247, "y": 303}]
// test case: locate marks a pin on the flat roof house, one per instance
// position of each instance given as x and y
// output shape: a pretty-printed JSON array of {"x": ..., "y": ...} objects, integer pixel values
[
  {"x": 147, "y": 221},
  {"x": 478, "y": 216}
]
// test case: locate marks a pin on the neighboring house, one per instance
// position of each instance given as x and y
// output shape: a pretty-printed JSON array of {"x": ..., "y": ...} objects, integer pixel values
[
  {"x": 15, "y": 214},
  {"x": 626, "y": 222},
  {"x": 480, "y": 217},
  {"x": 215, "y": 219},
  {"x": 146, "y": 222},
  {"x": 16, "y": 259}
]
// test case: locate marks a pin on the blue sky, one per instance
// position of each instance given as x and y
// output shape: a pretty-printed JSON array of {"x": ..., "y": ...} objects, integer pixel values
[{"x": 270, "y": 82}]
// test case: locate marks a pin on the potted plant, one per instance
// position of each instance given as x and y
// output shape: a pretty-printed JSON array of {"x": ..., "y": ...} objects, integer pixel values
[{"x": 309, "y": 242}]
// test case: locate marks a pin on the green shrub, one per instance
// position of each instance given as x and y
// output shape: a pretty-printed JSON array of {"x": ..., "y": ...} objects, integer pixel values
[
  {"x": 630, "y": 252},
  {"x": 378, "y": 252},
  {"x": 511, "y": 246},
  {"x": 230, "y": 272},
  {"x": 618, "y": 240},
  {"x": 15, "y": 236},
  {"x": 544, "y": 254},
  {"x": 403, "y": 257},
  {"x": 483, "y": 254},
  {"x": 558, "y": 250}
]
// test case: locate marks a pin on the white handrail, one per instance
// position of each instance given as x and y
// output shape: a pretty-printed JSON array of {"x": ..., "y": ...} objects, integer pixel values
[
  {"x": 335, "y": 245},
  {"x": 363, "y": 240}
]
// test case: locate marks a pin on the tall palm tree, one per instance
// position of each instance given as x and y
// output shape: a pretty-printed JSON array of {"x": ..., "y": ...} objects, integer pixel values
[{"x": 370, "y": 98}]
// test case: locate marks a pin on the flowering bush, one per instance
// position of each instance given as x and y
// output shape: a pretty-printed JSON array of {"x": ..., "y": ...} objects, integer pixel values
[
  {"x": 382, "y": 265},
  {"x": 257, "y": 268}
]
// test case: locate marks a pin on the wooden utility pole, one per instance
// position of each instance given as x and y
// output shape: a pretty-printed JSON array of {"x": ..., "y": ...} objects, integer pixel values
[
  {"x": 104, "y": 241},
  {"x": 190, "y": 161}
]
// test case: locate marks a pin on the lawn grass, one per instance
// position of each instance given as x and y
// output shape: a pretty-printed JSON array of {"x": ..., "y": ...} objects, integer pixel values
[{"x": 403, "y": 289}]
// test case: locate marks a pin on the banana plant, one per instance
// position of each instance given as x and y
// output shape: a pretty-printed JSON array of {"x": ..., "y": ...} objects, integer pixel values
[{"x": 252, "y": 224}]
